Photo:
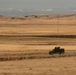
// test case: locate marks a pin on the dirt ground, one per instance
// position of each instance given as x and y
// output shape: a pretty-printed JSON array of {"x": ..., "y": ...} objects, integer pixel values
[
  {"x": 36, "y": 34},
  {"x": 51, "y": 66}
]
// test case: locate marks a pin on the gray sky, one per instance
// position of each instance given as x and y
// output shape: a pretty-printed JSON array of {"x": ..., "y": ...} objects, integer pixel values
[
  {"x": 25, "y": 7},
  {"x": 37, "y": 4}
]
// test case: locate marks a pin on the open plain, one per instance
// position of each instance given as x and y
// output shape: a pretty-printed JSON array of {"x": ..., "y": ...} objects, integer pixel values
[{"x": 25, "y": 42}]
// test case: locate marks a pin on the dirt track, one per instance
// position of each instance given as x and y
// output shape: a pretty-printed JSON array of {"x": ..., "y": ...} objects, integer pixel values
[{"x": 7, "y": 56}]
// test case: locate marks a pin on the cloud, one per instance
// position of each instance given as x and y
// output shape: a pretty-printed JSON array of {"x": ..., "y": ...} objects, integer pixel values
[
  {"x": 47, "y": 9},
  {"x": 12, "y": 9},
  {"x": 21, "y": 11}
]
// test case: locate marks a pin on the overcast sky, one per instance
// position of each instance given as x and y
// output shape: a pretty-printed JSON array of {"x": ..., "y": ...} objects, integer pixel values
[{"x": 37, "y": 4}]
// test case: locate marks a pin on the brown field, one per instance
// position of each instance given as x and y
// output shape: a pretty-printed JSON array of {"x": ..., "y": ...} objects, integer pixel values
[
  {"x": 26, "y": 40},
  {"x": 53, "y": 66}
]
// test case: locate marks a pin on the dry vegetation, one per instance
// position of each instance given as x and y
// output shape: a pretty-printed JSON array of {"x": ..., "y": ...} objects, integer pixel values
[
  {"x": 53, "y": 66},
  {"x": 39, "y": 19},
  {"x": 31, "y": 37}
]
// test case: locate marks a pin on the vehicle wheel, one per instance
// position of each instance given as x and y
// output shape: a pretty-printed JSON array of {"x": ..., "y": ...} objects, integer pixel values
[{"x": 60, "y": 53}]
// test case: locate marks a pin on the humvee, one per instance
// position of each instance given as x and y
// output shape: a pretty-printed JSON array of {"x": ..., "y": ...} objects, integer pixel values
[{"x": 57, "y": 50}]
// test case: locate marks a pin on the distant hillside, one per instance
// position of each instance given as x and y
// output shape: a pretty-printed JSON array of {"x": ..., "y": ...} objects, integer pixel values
[{"x": 69, "y": 19}]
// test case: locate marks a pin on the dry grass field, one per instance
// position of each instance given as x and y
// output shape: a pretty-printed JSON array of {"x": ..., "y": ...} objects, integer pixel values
[
  {"x": 53, "y": 66},
  {"x": 25, "y": 42}
]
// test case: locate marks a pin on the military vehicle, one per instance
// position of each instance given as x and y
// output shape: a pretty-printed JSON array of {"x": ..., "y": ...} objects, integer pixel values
[{"x": 57, "y": 50}]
